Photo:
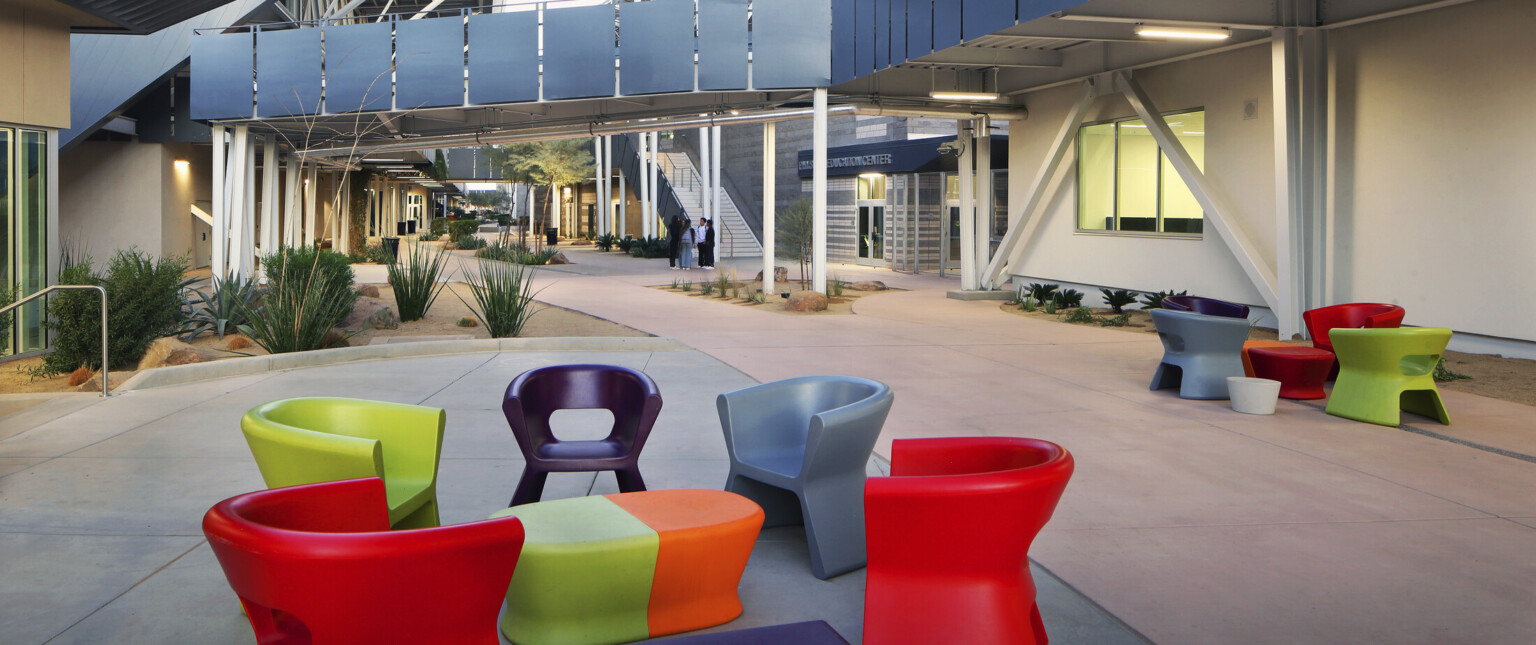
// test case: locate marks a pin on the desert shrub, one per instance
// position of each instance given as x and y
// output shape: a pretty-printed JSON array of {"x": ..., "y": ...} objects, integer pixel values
[
  {"x": 1118, "y": 299},
  {"x": 503, "y": 294},
  {"x": 624, "y": 243},
  {"x": 468, "y": 242},
  {"x": 460, "y": 228},
  {"x": 376, "y": 253},
  {"x": 416, "y": 281},
  {"x": 308, "y": 292},
  {"x": 1081, "y": 315},
  {"x": 7, "y": 296},
  {"x": 605, "y": 241},
  {"x": 637, "y": 251},
  {"x": 1068, "y": 299},
  {"x": 516, "y": 253},
  {"x": 220, "y": 309},
  {"x": 706, "y": 288},
  {"x": 1114, "y": 321},
  {"x": 143, "y": 303},
  {"x": 427, "y": 237},
  {"x": 438, "y": 227}
]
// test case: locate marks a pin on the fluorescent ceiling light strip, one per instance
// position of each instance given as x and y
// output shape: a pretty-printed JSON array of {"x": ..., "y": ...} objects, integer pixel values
[
  {"x": 964, "y": 96},
  {"x": 1184, "y": 33}
]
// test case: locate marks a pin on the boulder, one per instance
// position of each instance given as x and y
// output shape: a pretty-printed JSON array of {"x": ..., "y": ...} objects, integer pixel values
[
  {"x": 384, "y": 318},
  {"x": 558, "y": 258},
  {"x": 780, "y": 274},
  {"x": 867, "y": 285},
  {"x": 368, "y": 290},
  {"x": 362, "y": 310},
  {"x": 169, "y": 351},
  {"x": 806, "y": 301}
]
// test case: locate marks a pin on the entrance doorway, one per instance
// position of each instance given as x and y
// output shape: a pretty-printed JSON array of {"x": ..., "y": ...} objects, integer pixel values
[{"x": 870, "y": 223}]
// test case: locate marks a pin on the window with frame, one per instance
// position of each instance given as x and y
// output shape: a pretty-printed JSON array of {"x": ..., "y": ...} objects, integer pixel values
[{"x": 1125, "y": 183}]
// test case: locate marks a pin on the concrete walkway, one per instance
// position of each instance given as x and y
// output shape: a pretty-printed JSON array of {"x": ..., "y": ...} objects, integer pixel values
[{"x": 1187, "y": 521}]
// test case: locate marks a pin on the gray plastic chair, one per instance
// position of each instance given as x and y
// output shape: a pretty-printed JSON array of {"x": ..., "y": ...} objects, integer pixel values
[
  {"x": 799, "y": 448},
  {"x": 1199, "y": 352}
]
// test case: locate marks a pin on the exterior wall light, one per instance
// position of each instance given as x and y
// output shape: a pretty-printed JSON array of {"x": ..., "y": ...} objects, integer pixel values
[
  {"x": 181, "y": 165},
  {"x": 1182, "y": 33}
]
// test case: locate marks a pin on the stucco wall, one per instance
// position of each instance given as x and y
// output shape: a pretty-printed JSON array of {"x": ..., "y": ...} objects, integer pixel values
[
  {"x": 34, "y": 67},
  {"x": 1433, "y": 194},
  {"x": 1239, "y": 163},
  {"x": 112, "y": 196}
]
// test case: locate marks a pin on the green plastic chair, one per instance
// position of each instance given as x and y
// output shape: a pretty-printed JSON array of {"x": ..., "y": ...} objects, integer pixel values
[
  {"x": 320, "y": 439},
  {"x": 1383, "y": 371}
]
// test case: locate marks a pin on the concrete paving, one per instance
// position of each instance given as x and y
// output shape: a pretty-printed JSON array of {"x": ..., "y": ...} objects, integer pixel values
[{"x": 1188, "y": 522}]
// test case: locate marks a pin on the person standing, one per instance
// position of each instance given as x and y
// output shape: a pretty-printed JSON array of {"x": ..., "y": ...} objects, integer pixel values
[
  {"x": 685, "y": 249},
  {"x": 707, "y": 244},
  {"x": 675, "y": 227}
]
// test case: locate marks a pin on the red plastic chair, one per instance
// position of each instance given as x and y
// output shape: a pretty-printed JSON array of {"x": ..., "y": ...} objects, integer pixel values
[
  {"x": 1354, "y": 315},
  {"x": 318, "y": 564},
  {"x": 949, "y": 535}
]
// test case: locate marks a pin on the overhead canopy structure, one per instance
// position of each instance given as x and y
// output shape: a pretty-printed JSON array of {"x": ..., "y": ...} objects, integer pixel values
[{"x": 141, "y": 16}]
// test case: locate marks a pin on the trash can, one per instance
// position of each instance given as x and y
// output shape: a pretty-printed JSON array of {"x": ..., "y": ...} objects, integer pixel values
[
  {"x": 410, "y": 227},
  {"x": 551, "y": 236},
  {"x": 399, "y": 228},
  {"x": 392, "y": 244}
]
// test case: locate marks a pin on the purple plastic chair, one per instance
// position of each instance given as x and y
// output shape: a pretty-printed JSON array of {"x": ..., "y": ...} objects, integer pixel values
[
  {"x": 1206, "y": 306},
  {"x": 536, "y": 394}
]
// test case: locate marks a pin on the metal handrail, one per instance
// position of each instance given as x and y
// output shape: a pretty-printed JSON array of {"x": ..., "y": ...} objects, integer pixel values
[{"x": 66, "y": 287}]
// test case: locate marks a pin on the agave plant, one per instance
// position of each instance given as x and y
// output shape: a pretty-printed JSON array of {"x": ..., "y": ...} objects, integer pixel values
[
  {"x": 503, "y": 294},
  {"x": 220, "y": 309},
  {"x": 416, "y": 281}
]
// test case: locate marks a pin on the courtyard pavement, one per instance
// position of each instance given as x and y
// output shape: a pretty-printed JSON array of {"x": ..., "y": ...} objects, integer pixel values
[{"x": 1188, "y": 522}]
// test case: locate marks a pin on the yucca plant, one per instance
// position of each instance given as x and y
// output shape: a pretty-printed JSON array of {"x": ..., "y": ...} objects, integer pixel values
[
  {"x": 220, "y": 309},
  {"x": 503, "y": 294},
  {"x": 1118, "y": 299},
  {"x": 416, "y": 281},
  {"x": 723, "y": 281}
]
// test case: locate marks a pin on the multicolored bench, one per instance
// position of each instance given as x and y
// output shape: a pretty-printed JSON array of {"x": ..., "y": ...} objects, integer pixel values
[{"x": 629, "y": 566}]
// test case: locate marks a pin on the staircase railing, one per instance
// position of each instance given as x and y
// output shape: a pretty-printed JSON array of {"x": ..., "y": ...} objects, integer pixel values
[
  {"x": 627, "y": 150},
  {"x": 751, "y": 215},
  {"x": 105, "y": 364}
]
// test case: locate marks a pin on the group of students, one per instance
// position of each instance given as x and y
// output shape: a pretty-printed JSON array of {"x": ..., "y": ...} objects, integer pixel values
[{"x": 690, "y": 242}]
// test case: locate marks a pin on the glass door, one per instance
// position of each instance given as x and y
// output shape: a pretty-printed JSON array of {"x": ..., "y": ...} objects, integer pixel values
[{"x": 871, "y": 223}]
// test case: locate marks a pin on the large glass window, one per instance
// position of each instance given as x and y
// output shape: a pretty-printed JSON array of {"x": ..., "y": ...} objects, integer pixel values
[
  {"x": 24, "y": 230},
  {"x": 1126, "y": 183},
  {"x": 871, "y": 187}
]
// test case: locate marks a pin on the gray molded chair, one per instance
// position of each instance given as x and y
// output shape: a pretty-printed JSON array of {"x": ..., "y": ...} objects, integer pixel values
[
  {"x": 799, "y": 448},
  {"x": 1199, "y": 352}
]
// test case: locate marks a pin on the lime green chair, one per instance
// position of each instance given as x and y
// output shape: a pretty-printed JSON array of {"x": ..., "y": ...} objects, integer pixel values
[
  {"x": 1382, "y": 371},
  {"x": 321, "y": 439}
]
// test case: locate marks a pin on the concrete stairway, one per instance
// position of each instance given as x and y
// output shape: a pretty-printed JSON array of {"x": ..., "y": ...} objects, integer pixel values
[{"x": 733, "y": 238}]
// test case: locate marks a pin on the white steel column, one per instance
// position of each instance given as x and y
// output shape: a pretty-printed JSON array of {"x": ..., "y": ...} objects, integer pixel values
[
  {"x": 1297, "y": 64},
  {"x": 601, "y": 198},
  {"x": 608, "y": 183},
  {"x": 655, "y": 184},
  {"x": 1022, "y": 222},
  {"x": 819, "y": 190},
  {"x": 645, "y": 186},
  {"x": 343, "y": 241},
  {"x": 311, "y": 220},
  {"x": 768, "y": 206},
  {"x": 291, "y": 202},
  {"x": 715, "y": 190},
  {"x": 236, "y": 190},
  {"x": 623, "y": 206},
  {"x": 269, "y": 173},
  {"x": 984, "y": 194},
  {"x": 967, "y": 176},
  {"x": 248, "y": 211},
  {"x": 220, "y": 222},
  {"x": 704, "y": 191}
]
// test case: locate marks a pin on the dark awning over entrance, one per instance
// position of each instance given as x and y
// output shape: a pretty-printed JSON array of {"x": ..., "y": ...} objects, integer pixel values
[{"x": 892, "y": 157}]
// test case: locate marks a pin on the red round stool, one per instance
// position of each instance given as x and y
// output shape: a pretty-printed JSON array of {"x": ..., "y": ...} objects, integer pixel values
[{"x": 1302, "y": 371}]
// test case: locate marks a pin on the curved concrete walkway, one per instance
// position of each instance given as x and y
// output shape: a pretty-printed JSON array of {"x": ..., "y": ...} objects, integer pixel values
[{"x": 1188, "y": 521}]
